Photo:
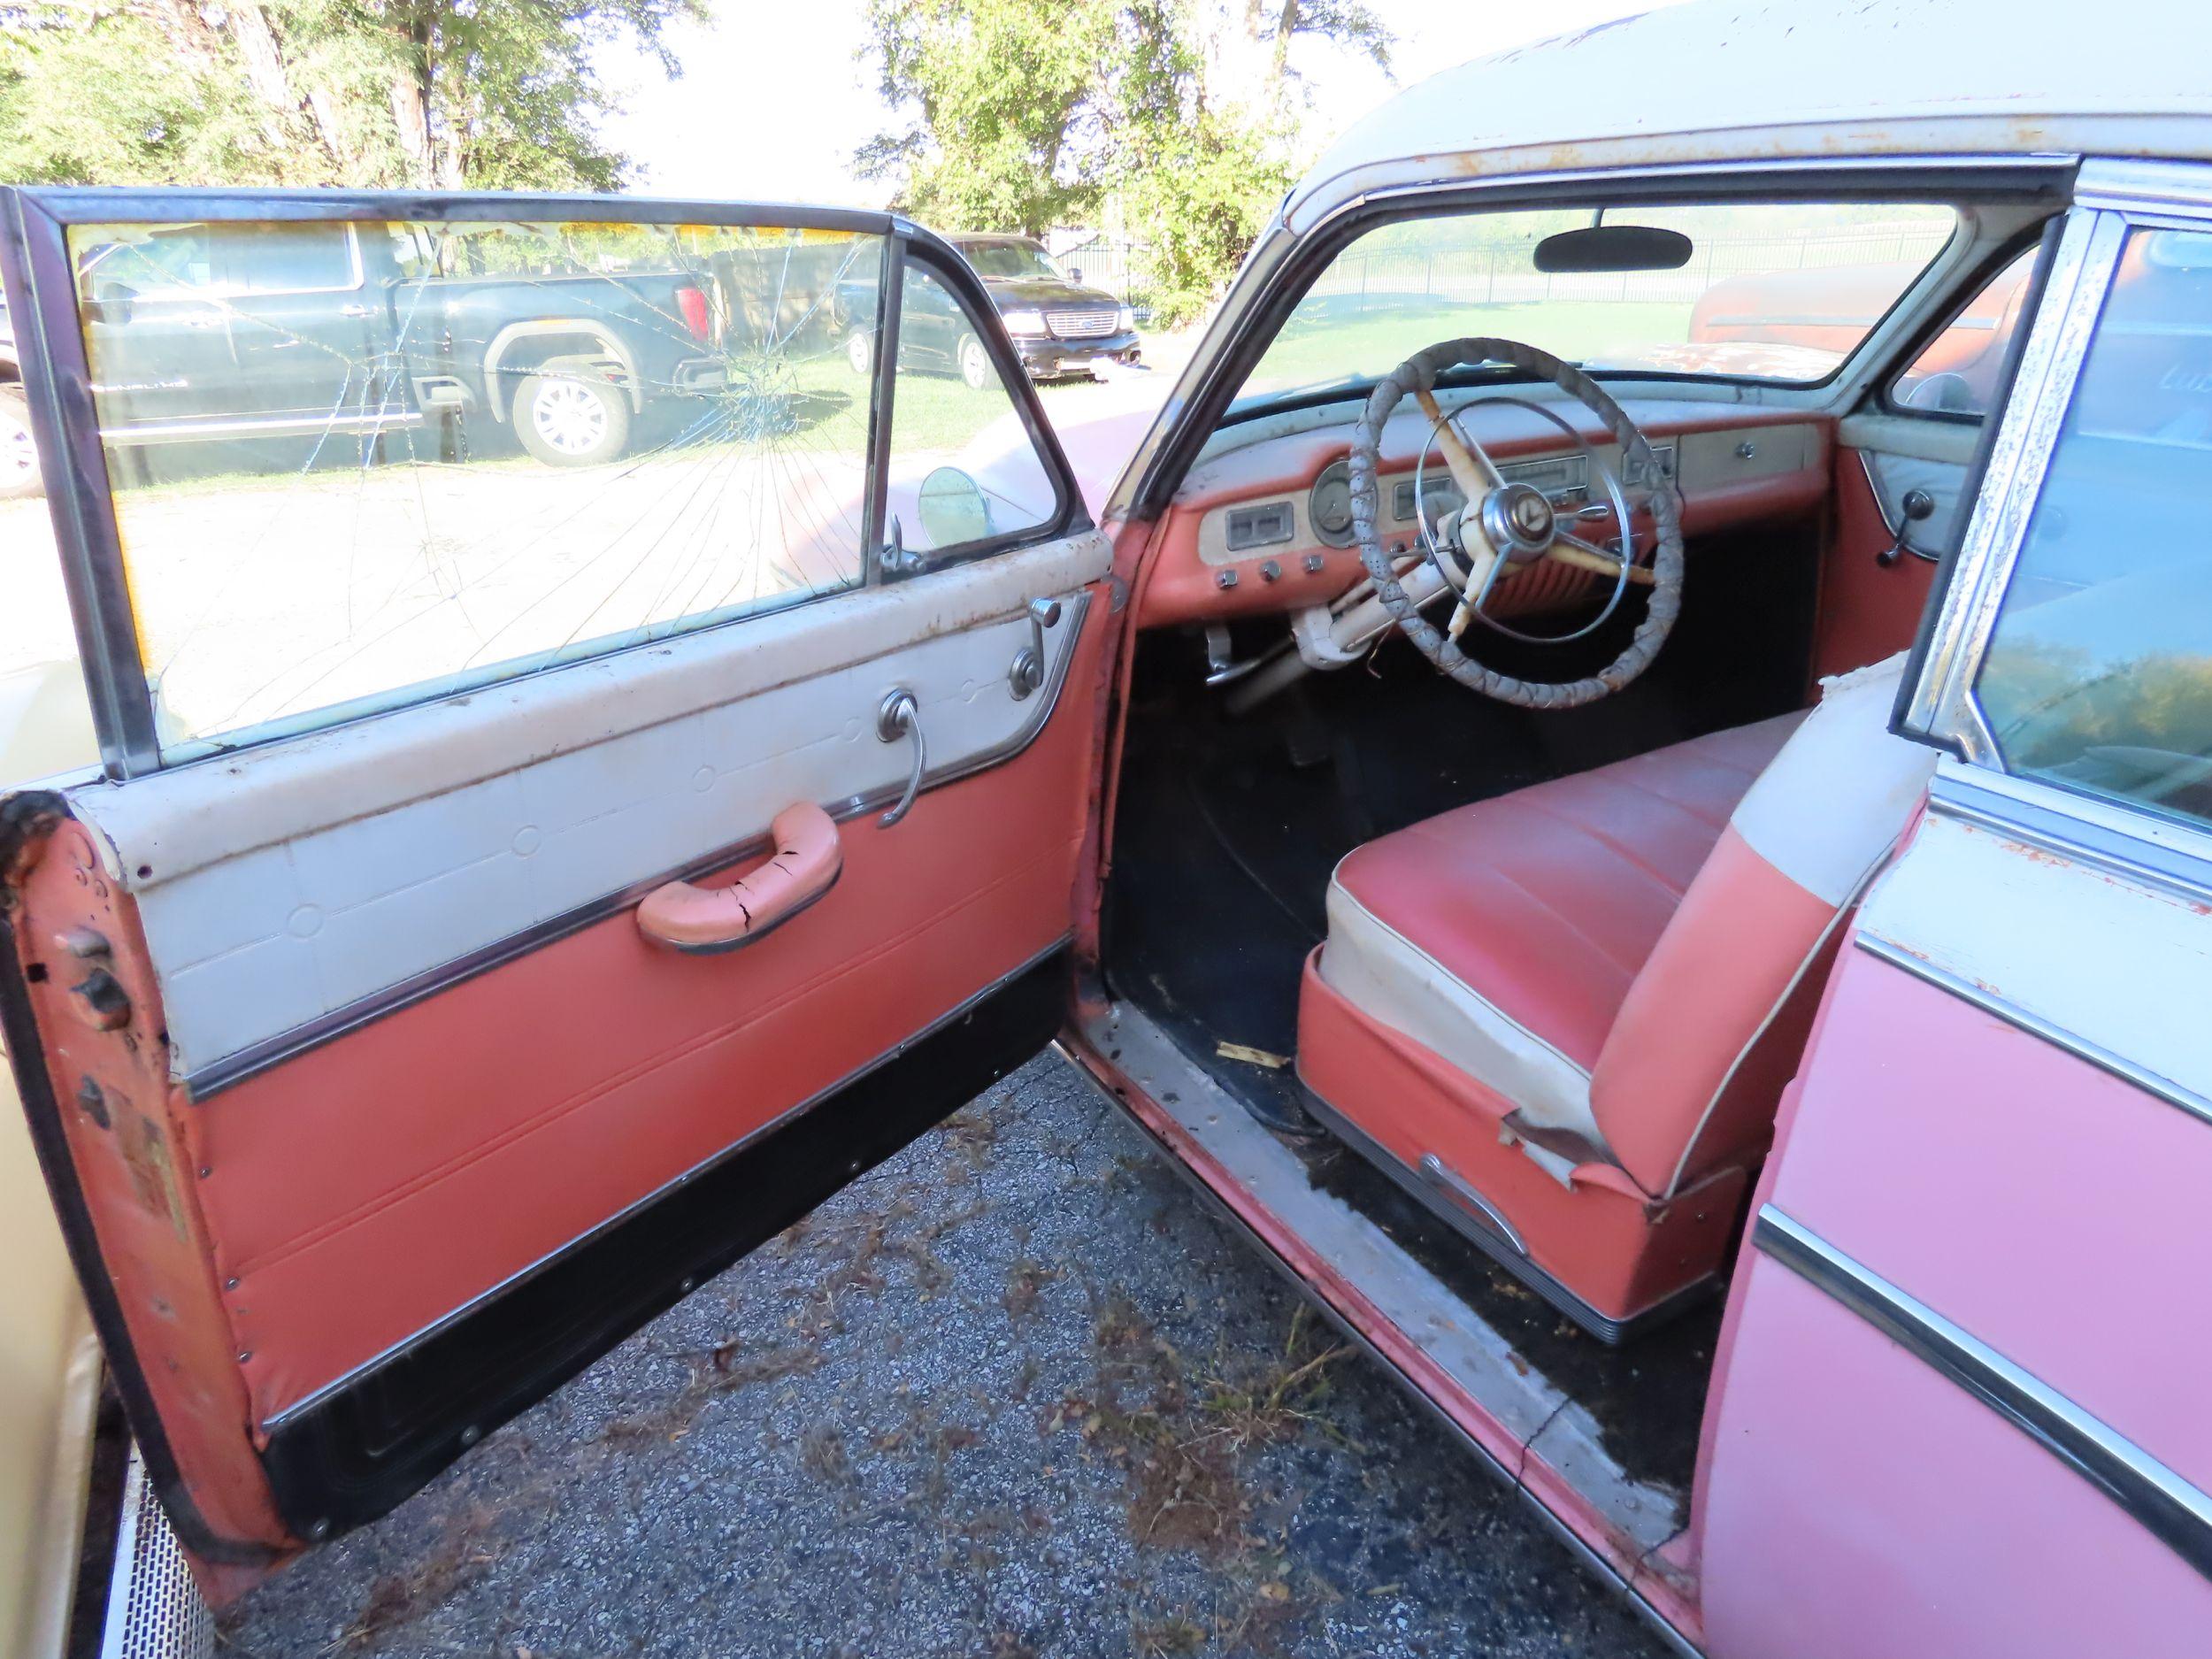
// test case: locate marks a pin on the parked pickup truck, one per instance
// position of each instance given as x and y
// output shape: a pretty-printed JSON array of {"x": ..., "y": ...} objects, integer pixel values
[{"x": 254, "y": 331}]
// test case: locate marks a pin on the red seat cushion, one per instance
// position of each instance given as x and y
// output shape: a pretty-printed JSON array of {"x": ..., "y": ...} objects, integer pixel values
[{"x": 1547, "y": 902}]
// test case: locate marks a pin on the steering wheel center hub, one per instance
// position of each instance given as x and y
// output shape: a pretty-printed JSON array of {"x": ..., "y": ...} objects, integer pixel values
[{"x": 1519, "y": 521}]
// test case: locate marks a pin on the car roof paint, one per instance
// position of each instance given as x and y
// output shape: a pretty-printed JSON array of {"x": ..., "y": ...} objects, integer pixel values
[{"x": 1721, "y": 82}]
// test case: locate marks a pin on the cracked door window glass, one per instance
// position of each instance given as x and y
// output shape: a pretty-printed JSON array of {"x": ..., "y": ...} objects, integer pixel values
[
  {"x": 358, "y": 464},
  {"x": 964, "y": 472}
]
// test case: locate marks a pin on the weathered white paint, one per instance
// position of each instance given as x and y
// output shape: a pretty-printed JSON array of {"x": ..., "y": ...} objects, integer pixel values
[
  {"x": 289, "y": 881},
  {"x": 2119, "y": 964},
  {"x": 1720, "y": 81}
]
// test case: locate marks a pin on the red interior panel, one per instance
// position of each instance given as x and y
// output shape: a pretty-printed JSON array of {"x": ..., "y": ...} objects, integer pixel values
[
  {"x": 1868, "y": 610},
  {"x": 348, "y": 1199}
]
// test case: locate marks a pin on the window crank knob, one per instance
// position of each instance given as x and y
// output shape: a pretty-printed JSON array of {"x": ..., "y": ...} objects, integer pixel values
[
  {"x": 1916, "y": 505},
  {"x": 1027, "y": 674}
]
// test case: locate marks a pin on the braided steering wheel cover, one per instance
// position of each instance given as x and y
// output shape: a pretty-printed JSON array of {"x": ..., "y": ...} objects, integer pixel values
[{"x": 1417, "y": 374}]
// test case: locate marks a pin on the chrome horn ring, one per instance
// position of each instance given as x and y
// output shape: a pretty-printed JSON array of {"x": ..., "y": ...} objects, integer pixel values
[{"x": 1417, "y": 374}]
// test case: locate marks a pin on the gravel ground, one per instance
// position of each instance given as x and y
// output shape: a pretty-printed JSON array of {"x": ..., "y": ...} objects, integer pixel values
[{"x": 1012, "y": 1393}]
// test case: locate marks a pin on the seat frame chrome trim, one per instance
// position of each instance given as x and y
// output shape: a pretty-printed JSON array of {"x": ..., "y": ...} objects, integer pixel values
[
  {"x": 2172, "y": 1509},
  {"x": 1448, "y": 1197}
]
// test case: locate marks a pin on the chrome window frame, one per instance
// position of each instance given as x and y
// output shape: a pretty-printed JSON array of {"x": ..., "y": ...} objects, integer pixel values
[
  {"x": 38, "y": 279},
  {"x": 2113, "y": 199}
]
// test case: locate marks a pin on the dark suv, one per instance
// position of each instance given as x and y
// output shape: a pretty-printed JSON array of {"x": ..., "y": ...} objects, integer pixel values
[{"x": 1059, "y": 326}]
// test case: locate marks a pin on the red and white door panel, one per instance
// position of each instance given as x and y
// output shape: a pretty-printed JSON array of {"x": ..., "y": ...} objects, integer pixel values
[
  {"x": 513, "y": 892},
  {"x": 1958, "y": 1405}
]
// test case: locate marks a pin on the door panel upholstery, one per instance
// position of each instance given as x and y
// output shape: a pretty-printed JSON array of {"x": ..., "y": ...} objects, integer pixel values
[
  {"x": 283, "y": 886},
  {"x": 514, "y": 1074},
  {"x": 1868, "y": 609}
]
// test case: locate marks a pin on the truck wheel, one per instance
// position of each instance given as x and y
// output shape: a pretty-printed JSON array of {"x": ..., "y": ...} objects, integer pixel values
[
  {"x": 19, "y": 456},
  {"x": 860, "y": 349},
  {"x": 572, "y": 419},
  {"x": 975, "y": 362}
]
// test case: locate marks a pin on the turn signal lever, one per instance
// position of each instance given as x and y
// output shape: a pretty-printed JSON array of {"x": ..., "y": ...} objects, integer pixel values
[{"x": 1918, "y": 505}]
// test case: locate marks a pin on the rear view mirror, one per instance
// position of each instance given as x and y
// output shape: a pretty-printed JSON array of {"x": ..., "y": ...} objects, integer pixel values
[
  {"x": 954, "y": 511},
  {"x": 1613, "y": 247}
]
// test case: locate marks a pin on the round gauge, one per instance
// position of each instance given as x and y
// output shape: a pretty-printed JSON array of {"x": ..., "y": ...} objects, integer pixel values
[{"x": 1330, "y": 506}]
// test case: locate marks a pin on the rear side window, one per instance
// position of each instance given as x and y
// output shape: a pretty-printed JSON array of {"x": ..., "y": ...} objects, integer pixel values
[
  {"x": 355, "y": 466},
  {"x": 2099, "y": 674},
  {"x": 1957, "y": 372}
]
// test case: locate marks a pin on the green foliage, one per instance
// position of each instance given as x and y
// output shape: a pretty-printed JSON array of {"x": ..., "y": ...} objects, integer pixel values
[
  {"x": 1173, "y": 117},
  {"x": 1200, "y": 195},
  {"x": 416, "y": 94},
  {"x": 1007, "y": 126}
]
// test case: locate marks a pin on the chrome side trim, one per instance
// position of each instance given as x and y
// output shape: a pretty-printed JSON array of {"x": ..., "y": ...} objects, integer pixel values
[
  {"x": 2150, "y": 1082},
  {"x": 2178, "y": 1514},
  {"x": 2063, "y": 830},
  {"x": 389, "y": 418},
  {"x": 218, "y": 1075},
  {"x": 1941, "y": 704},
  {"x": 782, "y": 1120},
  {"x": 2144, "y": 186}
]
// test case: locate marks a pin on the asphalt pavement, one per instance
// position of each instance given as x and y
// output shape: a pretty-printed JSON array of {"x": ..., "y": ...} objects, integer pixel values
[{"x": 1015, "y": 1392}]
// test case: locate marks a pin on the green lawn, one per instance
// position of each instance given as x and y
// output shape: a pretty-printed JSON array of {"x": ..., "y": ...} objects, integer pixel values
[{"x": 1327, "y": 348}]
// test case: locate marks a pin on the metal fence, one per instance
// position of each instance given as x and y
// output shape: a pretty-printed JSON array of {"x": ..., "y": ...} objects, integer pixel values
[{"x": 1099, "y": 261}]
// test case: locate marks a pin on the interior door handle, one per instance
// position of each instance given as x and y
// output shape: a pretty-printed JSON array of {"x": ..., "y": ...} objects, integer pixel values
[
  {"x": 900, "y": 715},
  {"x": 804, "y": 864}
]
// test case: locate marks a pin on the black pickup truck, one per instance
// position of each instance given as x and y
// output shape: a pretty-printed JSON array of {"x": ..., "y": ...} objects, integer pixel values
[{"x": 252, "y": 331}]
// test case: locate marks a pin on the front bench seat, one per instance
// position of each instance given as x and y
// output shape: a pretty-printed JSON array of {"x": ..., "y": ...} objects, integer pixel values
[{"x": 1564, "y": 1017}]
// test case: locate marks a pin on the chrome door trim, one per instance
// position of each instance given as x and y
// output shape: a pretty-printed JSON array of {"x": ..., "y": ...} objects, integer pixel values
[
  {"x": 218, "y": 1075},
  {"x": 2174, "y": 1511},
  {"x": 2144, "y": 187},
  {"x": 1941, "y": 705},
  {"x": 2035, "y": 1025},
  {"x": 50, "y": 355},
  {"x": 2171, "y": 858}
]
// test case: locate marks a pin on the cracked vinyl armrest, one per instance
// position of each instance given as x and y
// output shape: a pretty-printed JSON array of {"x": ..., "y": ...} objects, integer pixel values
[{"x": 704, "y": 920}]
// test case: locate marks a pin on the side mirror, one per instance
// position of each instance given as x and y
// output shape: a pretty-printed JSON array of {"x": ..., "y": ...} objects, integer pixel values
[{"x": 954, "y": 508}]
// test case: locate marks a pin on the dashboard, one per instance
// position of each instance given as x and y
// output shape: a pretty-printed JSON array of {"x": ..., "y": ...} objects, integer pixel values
[{"x": 1267, "y": 525}]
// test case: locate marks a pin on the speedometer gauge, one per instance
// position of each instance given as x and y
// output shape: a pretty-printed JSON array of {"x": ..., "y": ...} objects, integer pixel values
[{"x": 1329, "y": 508}]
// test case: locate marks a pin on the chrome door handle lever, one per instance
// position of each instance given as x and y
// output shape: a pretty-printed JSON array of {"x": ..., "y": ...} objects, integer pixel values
[
  {"x": 1028, "y": 673},
  {"x": 900, "y": 715}
]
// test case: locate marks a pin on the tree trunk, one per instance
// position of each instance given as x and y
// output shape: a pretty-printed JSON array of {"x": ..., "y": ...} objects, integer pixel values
[
  {"x": 411, "y": 90},
  {"x": 1286, "y": 25}
]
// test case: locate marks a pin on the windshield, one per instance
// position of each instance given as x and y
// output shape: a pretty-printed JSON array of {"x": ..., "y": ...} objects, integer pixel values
[
  {"x": 1773, "y": 291},
  {"x": 1011, "y": 261}
]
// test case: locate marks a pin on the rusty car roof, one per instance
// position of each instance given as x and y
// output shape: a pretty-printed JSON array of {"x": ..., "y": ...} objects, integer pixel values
[{"x": 1727, "y": 82}]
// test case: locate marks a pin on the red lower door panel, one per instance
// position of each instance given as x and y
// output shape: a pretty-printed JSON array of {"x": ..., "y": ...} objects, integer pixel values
[{"x": 308, "y": 1221}]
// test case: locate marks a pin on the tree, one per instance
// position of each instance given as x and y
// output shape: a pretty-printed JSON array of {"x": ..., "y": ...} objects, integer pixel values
[
  {"x": 417, "y": 94},
  {"x": 1008, "y": 122},
  {"x": 1177, "y": 116}
]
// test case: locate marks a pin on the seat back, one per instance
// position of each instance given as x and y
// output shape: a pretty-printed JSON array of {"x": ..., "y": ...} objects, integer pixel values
[{"x": 1695, "y": 1062}]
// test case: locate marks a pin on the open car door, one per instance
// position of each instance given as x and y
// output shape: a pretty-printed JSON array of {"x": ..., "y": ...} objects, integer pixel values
[
  {"x": 611, "y": 772},
  {"x": 1958, "y": 1404}
]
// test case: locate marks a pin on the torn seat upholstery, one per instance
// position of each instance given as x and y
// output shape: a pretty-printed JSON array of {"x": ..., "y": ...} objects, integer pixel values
[{"x": 1564, "y": 1017}]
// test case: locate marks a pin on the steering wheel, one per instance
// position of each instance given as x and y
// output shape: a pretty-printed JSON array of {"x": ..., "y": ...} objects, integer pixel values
[{"x": 1504, "y": 526}]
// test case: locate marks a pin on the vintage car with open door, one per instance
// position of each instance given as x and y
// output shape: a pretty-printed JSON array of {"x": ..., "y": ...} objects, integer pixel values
[{"x": 1665, "y": 877}]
